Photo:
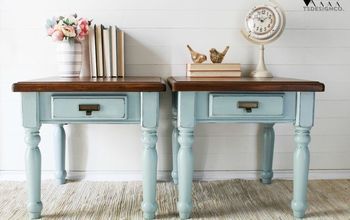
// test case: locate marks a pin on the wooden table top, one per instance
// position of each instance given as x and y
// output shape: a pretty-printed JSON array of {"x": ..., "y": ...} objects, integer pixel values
[
  {"x": 87, "y": 84},
  {"x": 243, "y": 84}
]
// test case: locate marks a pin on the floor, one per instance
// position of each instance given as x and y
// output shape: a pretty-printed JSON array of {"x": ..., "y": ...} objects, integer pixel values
[{"x": 231, "y": 199}]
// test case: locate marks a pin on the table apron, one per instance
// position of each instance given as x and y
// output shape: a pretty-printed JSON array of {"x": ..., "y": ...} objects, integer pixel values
[
  {"x": 283, "y": 111},
  {"x": 132, "y": 102}
]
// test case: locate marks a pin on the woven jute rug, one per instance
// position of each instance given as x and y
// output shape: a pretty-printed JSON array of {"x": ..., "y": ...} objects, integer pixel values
[{"x": 232, "y": 199}]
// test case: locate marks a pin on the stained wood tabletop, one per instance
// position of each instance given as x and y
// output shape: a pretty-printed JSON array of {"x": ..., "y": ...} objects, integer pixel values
[
  {"x": 88, "y": 84},
  {"x": 244, "y": 84}
]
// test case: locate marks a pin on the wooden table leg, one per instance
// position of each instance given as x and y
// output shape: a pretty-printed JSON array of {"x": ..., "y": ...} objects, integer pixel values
[
  {"x": 267, "y": 153},
  {"x": 175, "y": 142},
  {"x": 60, "y": 153},
  {"x": 149, "y": 123},
  {"x": 301, "y": 171},
  {"x": 33, "y": 172},
  {"x": 186, "y": 122},
  {"x": 31, "y": 123},
  {"x": 303, "y": 125}
]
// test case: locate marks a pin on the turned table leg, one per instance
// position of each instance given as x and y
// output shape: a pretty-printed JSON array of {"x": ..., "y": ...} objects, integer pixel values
[
  {"x": 175, "y": 142},
  {"x": 60, "y": 153},
  {"x": 186, "y": 123},
  {"x": 149, "y": 124},
  {"x": 303, "y": 124},
  {"x": 33, "y": 172},
  {"x": 301, "y": 171},
  {"x": 185, "y": 163},
  {"x": 267, "y": 153}
]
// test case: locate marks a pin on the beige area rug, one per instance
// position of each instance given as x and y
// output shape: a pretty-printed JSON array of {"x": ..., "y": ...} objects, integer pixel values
[{"x": 233, "y": 199}]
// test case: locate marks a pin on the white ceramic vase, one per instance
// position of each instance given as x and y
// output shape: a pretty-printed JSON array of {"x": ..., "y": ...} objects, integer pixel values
[{"x": 73, "y": 58}]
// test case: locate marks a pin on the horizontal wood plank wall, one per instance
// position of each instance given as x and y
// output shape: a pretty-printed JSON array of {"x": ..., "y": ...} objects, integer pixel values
[{"x": 314, "y": 46}]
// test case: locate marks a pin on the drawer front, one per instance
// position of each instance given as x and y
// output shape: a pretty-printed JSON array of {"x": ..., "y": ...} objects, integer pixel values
[
  {"x": 240, "y": 105},
  {"x": 89, "y": 107}
]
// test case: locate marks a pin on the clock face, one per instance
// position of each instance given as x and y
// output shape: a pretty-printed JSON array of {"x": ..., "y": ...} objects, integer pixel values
[{"x": 263, "y": 22}]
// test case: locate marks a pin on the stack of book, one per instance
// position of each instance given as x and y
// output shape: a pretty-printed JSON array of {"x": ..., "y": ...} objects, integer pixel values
[
  {"x": 106, "y": 48},
  {"x": 214, "y": 70}
]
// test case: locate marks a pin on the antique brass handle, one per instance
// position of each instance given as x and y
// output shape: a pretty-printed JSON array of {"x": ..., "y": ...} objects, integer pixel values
[
  {"x": 248, "y": 105},
  {"x": 89, "y": 108}
]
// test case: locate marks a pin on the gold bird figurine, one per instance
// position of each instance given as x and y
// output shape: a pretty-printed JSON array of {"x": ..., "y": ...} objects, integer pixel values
[
  {"x": 197, "y": 57},
  {"x": 217, "y": 57}
]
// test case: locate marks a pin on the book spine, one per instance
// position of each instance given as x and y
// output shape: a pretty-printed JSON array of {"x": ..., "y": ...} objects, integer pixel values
[
  {"x": 99, "y": 50},
  {"x": 213, "y": 67},
  {"x": 214, "y": 74},
  {"x": 106, "y": 52},
  {"x": 92, "y": 51},
  {"x": 113, "y": 51},
  {"x": 121, "y": 64}
]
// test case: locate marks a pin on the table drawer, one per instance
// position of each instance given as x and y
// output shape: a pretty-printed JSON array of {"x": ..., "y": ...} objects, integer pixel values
[
  {"x": 233, "y": 105},
  {"x": 89, "y": 107}
]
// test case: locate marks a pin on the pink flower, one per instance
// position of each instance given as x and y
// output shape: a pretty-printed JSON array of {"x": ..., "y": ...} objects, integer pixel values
[
  {"x": 50, "y": 31},
  {"x": 83, "y": 28},
  {"x": 68, "y": 31},
  {"x": 57, "y": 35}
]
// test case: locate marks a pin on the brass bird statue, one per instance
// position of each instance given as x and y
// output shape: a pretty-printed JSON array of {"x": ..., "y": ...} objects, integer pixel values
[
  {"x": 216, "y": 56},
  {"x": 197, "y": 57}
]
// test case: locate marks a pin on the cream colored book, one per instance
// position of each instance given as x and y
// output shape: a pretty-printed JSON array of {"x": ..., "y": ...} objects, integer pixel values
[
  {"x": 106, "y": 53},
  {"x": 92, "y": 52},
  {"x": 99, "y": 50},
  {"x": 215, "y": 67},
  {"x": 214, "y": 74},
  {"x": 120, "y": 55},
  {"x": 113, "y": 50}
]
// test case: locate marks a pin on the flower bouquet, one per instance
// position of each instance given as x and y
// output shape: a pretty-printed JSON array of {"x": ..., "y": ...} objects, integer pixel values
[
  {"x": 71, "y": 33},
  {"x": 68, "y": 28}
]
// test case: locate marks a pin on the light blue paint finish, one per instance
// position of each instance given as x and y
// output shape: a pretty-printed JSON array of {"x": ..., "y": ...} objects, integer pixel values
[
  {"x": 132, "y": 116},
  {"x": 186, "y": 109},
  {"x": 215, "y": 107},
  {"x": 301, "y": 171},
  {"x": 226, "y": 105},
  {"x": 175, "y": 136},
  {"x": 67, "y": 107},
  {"x": 303, "y": 124},
  {"x": 186, "y": 123},
  {"x": 130, "y": 107},
  {"x": 30, "y": 109},
  {"x": 33, "y": 172},
  {"x": 60, "y": 153},
  {"x": 267, "y": 153},
  {"x": 149, "y": 123},
  {"x": 305, "y": 109},
  {"x": 203, "y": 107},
  {"x": 31, "y": 123},
  {"x": 149, "y": 114}
]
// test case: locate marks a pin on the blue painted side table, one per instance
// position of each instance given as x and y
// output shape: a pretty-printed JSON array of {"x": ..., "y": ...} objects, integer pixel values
[
  {"x": 62, "y": 101},
  {"x": 259, "y": 100}
]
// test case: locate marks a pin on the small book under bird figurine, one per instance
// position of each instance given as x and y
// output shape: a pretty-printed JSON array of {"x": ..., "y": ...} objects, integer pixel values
[{"x": 197, "y": 57}]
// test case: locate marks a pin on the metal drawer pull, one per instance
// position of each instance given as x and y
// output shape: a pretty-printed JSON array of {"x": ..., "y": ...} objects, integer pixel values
[
  {"x": 89, "y": 108},
  {"x": 248, "y": 105}
]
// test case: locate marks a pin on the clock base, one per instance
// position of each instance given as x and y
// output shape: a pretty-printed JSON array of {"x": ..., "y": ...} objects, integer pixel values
[
  {"x": 260, "y": 74},
  {"x": 261, "y": 70}
]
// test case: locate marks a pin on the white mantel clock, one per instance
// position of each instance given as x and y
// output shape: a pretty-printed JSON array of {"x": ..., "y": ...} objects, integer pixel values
[{"x": 263, "y": 24}]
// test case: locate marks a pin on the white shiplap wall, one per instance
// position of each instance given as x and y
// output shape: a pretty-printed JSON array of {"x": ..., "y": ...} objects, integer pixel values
[{"x": 315, "y": 45}]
